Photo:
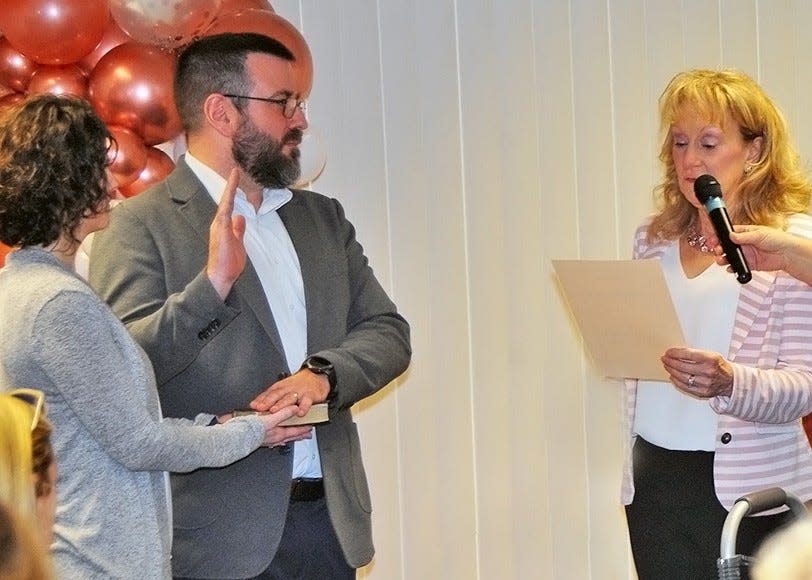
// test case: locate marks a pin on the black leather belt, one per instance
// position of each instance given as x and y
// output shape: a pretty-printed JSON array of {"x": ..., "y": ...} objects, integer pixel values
[{"x": 306, "y": 489}]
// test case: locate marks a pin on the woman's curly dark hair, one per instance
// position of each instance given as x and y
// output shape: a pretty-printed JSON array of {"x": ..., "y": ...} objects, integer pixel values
[{"x": 53, "y": 160}]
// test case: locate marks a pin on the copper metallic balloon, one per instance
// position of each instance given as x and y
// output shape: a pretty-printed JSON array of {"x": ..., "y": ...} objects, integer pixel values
[
  {"x": 54, "y": 31},
  {"x": 16, "y": 69},
  {"x": 113, "y": 36},
  {"x": 59, "y": 80},
  {"x": 159, "y": 165},
  {"x": 131, "y": 86},
  {"x": 129, "y": 157},
  {"x": 273, "y": 25},
  {"x": 229, "y": 6},
  {"x": 164, "y": 23}
]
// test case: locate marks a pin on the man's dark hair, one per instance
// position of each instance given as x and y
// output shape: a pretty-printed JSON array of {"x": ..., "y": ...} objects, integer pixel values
[
  {"x": 53, "y": 160},
  {"x": 216, "y": 64}
]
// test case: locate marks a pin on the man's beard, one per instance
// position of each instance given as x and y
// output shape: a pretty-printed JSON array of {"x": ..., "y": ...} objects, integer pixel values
[{"x": 261, "y": 157}]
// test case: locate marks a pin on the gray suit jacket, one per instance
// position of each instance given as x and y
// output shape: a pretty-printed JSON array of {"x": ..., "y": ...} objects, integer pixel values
[{"x": 211, "y": 356}]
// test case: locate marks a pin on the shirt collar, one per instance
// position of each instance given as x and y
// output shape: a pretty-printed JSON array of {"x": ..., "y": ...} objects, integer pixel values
[{"x": 272, "y": 199}]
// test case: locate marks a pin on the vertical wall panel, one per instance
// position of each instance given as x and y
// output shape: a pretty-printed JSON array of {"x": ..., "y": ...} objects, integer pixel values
[
  {"x": 634, "y": 120},
  {"x": 491, "y": 102},
  {"x": 700, "y": 24},
  {"x": 739, "y": 38},
  {"x": 428, "y": 239},
  {"x": 801, "y": 122},
  {"x": 505, "y": 255},
  {"x": 561, "y": 357},
  {"x": 778, "y": 57}
]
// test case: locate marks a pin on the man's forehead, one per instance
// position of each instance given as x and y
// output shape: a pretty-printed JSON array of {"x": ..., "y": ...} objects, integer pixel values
[{"x": 270, "y": 72}]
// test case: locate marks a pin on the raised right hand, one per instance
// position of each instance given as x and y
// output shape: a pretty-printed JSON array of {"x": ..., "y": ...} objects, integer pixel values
[{"x": 227, "y": 255}]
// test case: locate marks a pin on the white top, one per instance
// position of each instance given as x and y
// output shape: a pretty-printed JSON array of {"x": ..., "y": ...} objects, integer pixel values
[
  {"x": 274, "y": 258},
  {"x": 706, "y": 307}
]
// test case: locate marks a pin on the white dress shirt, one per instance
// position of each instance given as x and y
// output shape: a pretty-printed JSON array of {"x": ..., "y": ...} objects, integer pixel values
[{"x": 274, "y": 258}]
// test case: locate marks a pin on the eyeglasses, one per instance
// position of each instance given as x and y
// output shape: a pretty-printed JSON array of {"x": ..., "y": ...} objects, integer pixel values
[
  {"x": 34, "y": 398},
  {"x": 288, "y": 104}
]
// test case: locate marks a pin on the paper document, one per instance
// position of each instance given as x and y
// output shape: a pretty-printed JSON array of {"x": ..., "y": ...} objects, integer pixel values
[{"x": 625, "y": 314}]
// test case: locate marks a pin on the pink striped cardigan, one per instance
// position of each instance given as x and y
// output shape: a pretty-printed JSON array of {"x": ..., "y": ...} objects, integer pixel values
[{"x": 771, "y": 354}]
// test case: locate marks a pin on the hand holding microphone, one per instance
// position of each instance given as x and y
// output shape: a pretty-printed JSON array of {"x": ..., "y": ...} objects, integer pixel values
[{"x": 709, "y": 193}]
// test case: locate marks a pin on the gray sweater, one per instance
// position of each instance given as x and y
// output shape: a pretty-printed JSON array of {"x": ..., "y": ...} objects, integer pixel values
[{"x": 111, "y": 443}]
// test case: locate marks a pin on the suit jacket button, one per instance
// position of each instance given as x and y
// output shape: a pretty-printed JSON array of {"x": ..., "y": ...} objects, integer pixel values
[
  {"x": 726, "y": 437},
  {"x": 285, "y": 449}
]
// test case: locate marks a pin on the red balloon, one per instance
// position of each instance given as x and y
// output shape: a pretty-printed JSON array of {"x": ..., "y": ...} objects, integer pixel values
[
  {"x": 129, "y": 159},
  {"x": 132, "y": 86},
  {"x": 229, "y": 6},
  {"x": 273, "y": 25},
  {"x": 113, "y": 36},
  {"x": 54, "y": 31},
  {"x": 59, "y": 80},
  {"x": 159, "y": 165},
  {"x": 16, "y": 69}
]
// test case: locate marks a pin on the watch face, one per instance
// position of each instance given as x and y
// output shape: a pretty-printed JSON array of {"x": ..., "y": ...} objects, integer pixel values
[
  {"x": 319, "y": 365},
  {"x": 322, "y": 366}
]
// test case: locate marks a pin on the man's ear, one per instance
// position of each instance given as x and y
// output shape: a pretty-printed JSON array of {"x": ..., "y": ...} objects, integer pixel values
[{"x": 221, "y": 114}]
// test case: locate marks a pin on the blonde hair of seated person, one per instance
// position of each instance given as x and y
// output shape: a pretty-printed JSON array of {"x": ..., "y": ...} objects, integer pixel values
[
  {"x": 27, "y": 466},
  {"x": 22, "y": 556},
  {"x": 787, "y": 554}
]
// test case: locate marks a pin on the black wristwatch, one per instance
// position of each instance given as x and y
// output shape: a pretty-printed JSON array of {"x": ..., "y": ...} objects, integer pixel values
[{"x": 322, "y": 366}]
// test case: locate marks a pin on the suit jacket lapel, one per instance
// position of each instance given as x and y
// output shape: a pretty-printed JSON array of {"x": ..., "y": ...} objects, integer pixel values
[
  {"x": 197, "y": 207},
  {"x": 304, "y": 234}
]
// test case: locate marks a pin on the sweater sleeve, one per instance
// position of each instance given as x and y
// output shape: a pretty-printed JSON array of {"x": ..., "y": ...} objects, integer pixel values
[{"x": 109, "y": 386}]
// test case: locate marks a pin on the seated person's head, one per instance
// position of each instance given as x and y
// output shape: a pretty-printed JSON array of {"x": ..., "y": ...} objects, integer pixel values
[
  {"x": 27, "y": 466},
  {"x": 787, "y": 554},
  {"x": 22, "y": 556}
]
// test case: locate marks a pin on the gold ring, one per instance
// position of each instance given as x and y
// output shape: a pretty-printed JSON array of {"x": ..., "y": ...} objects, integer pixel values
[{"x": 296, "y": 396}]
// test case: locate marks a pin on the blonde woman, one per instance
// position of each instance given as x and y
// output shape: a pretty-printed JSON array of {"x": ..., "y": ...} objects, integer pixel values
[
  {"x": 22, "y": 555},
  {"x": 26, "y": 455},
  {"x": 728, "y": 422}
]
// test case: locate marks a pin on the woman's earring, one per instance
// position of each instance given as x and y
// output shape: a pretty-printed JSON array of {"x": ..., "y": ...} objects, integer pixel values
[{"x": 748, "y": 167}]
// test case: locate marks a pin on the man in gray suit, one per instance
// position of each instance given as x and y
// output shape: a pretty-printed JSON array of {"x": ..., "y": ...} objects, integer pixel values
[{"x": 297, "y": 317}]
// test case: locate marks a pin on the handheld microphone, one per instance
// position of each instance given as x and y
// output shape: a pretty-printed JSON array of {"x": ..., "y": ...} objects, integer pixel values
[{"x": 709, "y": 193}]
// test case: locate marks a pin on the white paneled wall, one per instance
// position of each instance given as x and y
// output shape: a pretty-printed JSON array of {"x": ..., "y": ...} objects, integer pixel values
[{"x": 471, "y": 142}]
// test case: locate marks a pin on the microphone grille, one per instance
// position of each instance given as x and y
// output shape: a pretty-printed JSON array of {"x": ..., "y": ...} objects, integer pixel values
[{"x": 706, "y": 187}]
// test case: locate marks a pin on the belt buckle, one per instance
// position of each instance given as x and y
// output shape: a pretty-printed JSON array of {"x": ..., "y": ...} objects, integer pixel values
[{"x": 306, "y": 489}]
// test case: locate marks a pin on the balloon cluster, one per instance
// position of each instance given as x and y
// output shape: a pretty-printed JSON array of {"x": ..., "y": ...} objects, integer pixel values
[{"x": 121, "y": 56}]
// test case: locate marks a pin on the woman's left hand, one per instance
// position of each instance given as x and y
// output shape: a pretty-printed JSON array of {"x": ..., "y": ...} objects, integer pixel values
[{"x": 699, "y": 373}]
